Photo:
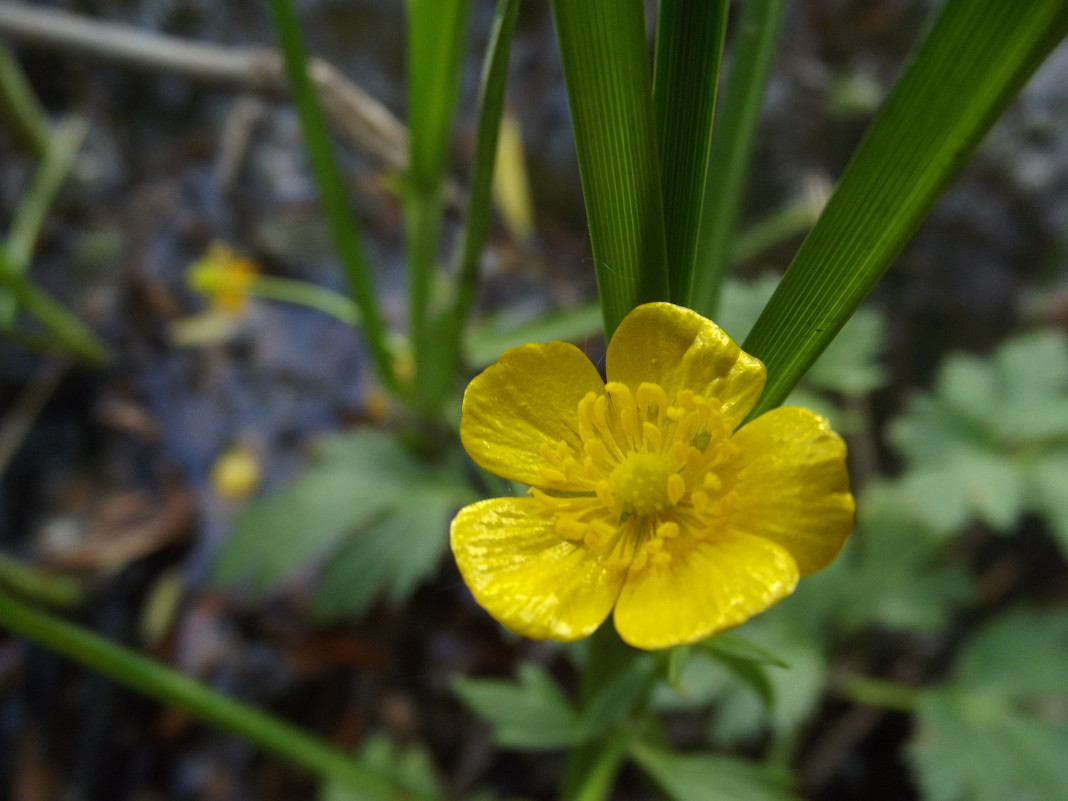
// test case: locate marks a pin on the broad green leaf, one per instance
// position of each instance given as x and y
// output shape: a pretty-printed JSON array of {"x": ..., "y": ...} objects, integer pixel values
[
  {"x": 689, "y": 48},
  {"x": 969, "y": 65},
  {"x": 893, "y": 572},
  {"x": 606, "y": 71},
  {"x": 974, "y": 746},
  {"x": 991, "y": 441},
  {"x": 707, "y": 777},
  {"x": 355, "y": 487},
  {"x": 531, "y": 713},
  {"x": 997, "y": 730},
  {"x": 390, "y": 556}
]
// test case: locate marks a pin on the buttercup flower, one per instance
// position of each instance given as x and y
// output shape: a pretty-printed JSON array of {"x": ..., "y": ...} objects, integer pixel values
[
  {"x": 224, "y": 276},
  {"x": 644, "y": 498}
]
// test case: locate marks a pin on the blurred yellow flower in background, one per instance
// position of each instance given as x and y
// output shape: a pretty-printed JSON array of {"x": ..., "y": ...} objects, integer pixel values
[
  {"x": 224, "y": 276},
  {"x": 644, "y": 497}
]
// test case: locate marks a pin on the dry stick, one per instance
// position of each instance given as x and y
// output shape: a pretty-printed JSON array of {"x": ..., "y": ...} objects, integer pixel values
[{"x": 358, "y": 117}]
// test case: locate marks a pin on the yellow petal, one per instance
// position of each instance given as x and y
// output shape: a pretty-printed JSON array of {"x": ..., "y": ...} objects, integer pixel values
[
  {"x": 528, "y": 398},
  {"x": 720, "y": 583},
  {"x": 792, "y": 485},
  {"x": 531, "y": 579},
  {"x": 679, "y": 349}
]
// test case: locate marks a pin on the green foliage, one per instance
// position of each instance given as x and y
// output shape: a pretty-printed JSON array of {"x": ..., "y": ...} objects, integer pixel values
[
  {"x": 998, "y": 729},
  {"x": 990, "y": 442},
  {"x": 893, "y": 572},
  {"x": 529, "y": 713},
  {"x": 968, "y": 66},
  {"x": 407, "y": 768},
  {"x": 365, "y": 499},
  {"x": 706, "y": 777}
]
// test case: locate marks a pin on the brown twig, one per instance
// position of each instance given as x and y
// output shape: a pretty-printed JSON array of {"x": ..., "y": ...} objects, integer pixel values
[{"x": 357, "y": 116}]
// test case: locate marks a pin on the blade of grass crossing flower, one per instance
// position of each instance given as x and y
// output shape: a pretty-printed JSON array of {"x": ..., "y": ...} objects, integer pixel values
[
  {"x": 732, "y": 145},
  {"x": 972, "y": 61},
  {"x": 332, "y": 188},
  {"x": 60, "y": 153},
  {"x": 606, "y": 71},
  {"x": 436, "y": 33},
  {"x": 689, "y": 48},
  {"x": 480, "y": 200},
  {"x": 160, "y": 682}
]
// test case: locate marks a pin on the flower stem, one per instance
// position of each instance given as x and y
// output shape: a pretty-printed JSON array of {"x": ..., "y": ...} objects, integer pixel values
[{"x": 171, "y": 687}]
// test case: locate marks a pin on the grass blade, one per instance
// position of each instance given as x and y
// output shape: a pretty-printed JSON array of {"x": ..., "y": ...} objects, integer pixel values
[
  {"x": 480, "y": 197},
  {"x": 606, "y": 71},
  {"x": 732, "y": 146},
  {"x": 332, "y": 188},
  {"x": 689, "y": 48},
  {"x": 436, "y": 30},
  {"x": 972, "y": 61}
]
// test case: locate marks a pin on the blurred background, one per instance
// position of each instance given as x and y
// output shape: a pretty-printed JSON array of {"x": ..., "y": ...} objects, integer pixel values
[{"x": 121, "y": 485}]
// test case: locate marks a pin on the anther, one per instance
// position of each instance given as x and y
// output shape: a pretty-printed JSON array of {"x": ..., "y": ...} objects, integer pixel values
[{"x": 676, "y": 488}]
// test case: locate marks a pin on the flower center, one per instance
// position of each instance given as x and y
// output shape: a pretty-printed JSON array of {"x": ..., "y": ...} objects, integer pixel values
[
  {"x": 645, "y": 470},
  {"x": 644, "y": 483}
]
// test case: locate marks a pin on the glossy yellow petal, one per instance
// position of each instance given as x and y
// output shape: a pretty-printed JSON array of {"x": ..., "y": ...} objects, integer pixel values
[
  {"x": 529, "y": 577},
  {"x": 720, "y": 583},
  {"x": 679, "y": 349},
  {"x": 792, "y": 485},
  {"x": 528, "y": 398}
]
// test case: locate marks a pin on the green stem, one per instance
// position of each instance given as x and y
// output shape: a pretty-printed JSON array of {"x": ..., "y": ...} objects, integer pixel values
[
  {"x": 290, "y": 290},
  {"x": 20, "y": 109},
  {"x": 60, "y": 153},
  {"x": 332, "y": 189},
  {"x": 604, "y": 54},
  {"x": 877, "y": 692},
  {"x": 732, "y": 145},
  {"x": 604, "y": 767},
  {"x": 166, "y": 685},
  {"x": 689, "y": 48},
  {"x": 71, "y": 332}
]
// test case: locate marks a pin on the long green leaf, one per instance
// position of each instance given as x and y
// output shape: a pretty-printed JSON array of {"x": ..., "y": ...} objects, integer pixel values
[
  {"x": 332, "y": 188},
  {"x": 436, "y": 31},
  {"x": 480, "y": 196},
  {"x": 732, "y": 145},
  {"x": 606, "y": 71},
  {"x": 68, "y": 330},
  {"x": 689, "y": 48},
  {"x": 973, "y": 60},
  {"x": 161, "y": 682}
]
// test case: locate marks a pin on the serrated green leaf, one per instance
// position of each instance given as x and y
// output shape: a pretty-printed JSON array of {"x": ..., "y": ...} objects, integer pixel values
[
  {"x": 974, "y": 746},
  {"x": 1023, "y": 654},
  {"x": 391, "y": 556},
  {"x": 409, "y": 768},
  {"x": 706, "y": 777},
  {"x": 991, "y": 441},
  {"x": 357, "y": 481},
  {"x": 531, "y": 713},
  {"x": 892, "y": 572}
]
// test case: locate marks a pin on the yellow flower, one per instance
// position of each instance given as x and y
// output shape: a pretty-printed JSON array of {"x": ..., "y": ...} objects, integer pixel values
[
  {"x": 643, "y": 496},
  {"x": 224, "y": 276}
]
